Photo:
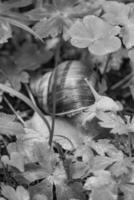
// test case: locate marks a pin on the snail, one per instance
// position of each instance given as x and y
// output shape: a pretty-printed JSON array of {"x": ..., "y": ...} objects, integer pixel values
[{"x": 76, "y": 97}]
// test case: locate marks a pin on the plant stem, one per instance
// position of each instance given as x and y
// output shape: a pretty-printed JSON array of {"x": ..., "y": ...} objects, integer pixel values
[
  {"x": 14, "y": 111},
  {"x": 129, "y": 147},
  {"x": 30, "y": 94},
  {"x": 57, "y": 58}
]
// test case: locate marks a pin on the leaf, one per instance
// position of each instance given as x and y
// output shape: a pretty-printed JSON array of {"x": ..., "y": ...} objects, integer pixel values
[
  {"x": 62, "y": 7},
  {"x": 39, "y": 13},
  {"x": 100, "y": 178},
  {"x": 54, "y": 18},
  {"x": 8, "y": 126},
  {"x": 12, "y": 73},
  {"x": 11, "y": 194},
  {"x": 16, "y": 160},
  {"x": 102, "y": 162},
  {"x": 81, "y": 162},
  {"x": 114, "y": 122},
  {"x": 30, "y": 57},
  {"x": 121, "y": 165},
  {"x": 5, "y": 32},
  {"x": 112, "y": 12},
  {"x": 45, "y": 156},
  {"x": 57, "y": 17},
  {"x": 50, "y": 167},
  {"x": 70, "y": 191},
  {"x": 108, "y": 45},
  {"x": 124, "y": 18},
  {"x": 25, "y": 145},
  {"x": 42, "y": 188},
  {"x": 103, "y": 193},
  {"x": 96, "y": 34},
  {"x": 49, "y": 27},
  {"x": 63, "y": 191},
  {"x": 102, "y": 146},
  {"x": 78, "y": 169},
  {"x": 84, "y": 152}
]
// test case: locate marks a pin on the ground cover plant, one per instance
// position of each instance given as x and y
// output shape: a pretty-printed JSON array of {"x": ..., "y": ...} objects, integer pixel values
[{"x": 43, "y": 155}]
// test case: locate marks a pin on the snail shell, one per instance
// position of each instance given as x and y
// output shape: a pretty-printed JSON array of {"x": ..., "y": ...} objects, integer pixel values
[{"x": 72, "y": 92}]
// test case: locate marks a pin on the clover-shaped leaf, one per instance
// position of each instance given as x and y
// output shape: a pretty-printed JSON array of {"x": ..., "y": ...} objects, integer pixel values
[
  {"x": 115, "y": 12},
  {"x": 96, "y": 34},
  {"x": 125, "y": 19}
]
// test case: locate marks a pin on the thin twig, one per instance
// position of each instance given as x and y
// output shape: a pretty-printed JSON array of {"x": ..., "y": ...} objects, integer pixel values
[
  {"x": 107, "y": 62},
  {"x": 118, "y": 84},
  {"x": 14, "y": 111}
]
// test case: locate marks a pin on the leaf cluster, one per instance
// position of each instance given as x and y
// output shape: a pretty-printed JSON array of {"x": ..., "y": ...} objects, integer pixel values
[{"x": 40, "y": 162}]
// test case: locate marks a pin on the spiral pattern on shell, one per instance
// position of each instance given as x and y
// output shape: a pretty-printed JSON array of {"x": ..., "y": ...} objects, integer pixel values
[{"x": 72, "y": 92}]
